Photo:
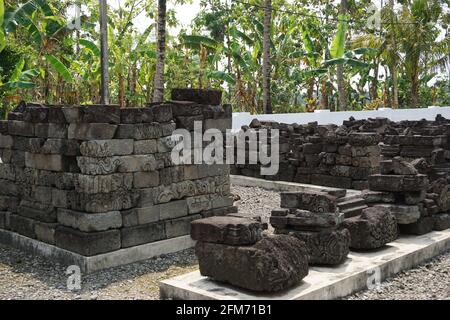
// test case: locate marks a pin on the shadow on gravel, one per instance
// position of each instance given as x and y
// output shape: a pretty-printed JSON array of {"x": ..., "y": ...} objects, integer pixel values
[{"x": 54, "y": 274}]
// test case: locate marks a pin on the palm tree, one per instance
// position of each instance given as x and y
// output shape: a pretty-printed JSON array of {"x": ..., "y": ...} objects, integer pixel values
[
  {"x": 393, "y": 64},
  {"x": 267, "y": 105},
  {"x": 104, "y": 52},
  {"x": 340, "y": 70},
  {"x": 158, "y": 90}
]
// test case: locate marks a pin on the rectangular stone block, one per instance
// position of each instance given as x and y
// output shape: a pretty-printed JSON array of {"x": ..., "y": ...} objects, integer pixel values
[
  {"x": 108, "y": 165},
  {"x": 6, "y": 141},
  {"x": 198, "y": 204},
  {"x": 101, "y": 114},
  {"x": 171, "y": 175},
  {"x": 331, "y": 181},
  {"x": 101, "y": 202},
  {"x": 22, "y": 225},
  {"x": 201, "y": 96},
  {"x": 91, "y": 131},
  {"x": 45, "y": 232},
  {"x": 90, "y": 222},
  {"x": 8, "y": 203},
  {"x": 136, "y": 115},
  {"x": 133, "y": 236},
  {"x": 55, "y": 146},
  {"x": 107, "y": 148},
  {"x": 220, "y": 124},
  {"x": 145, "y": 179},
  {"x": 7, "y": 172},
  {"x": 162, "y": 112},
  {"x": 145, "y": 146},
  {"x": 9, "y": 188},
  {"x": 87, "y": 243},
  {"x": 311, "y": 201},
  {"x": 173, "y": 209},
  {"x": 43, "y": 213},
  {"x": 50, "y": 162},
  {"x": 5, "y": 219},
  {"x": 103, "y": 183},
  {"x": 20, "y": 128},
  {"x": 139, "y": 131},
  {"x": 180, "y": 227}
]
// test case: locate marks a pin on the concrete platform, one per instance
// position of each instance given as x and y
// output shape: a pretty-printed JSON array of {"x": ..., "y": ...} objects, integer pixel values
[
  {"x": 281, "y": 186},
  {"x": 98, "y": 262},
  {"x": 357, "y": 273}
]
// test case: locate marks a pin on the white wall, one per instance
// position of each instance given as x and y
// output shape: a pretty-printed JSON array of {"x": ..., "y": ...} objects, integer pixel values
[{"x": 327, "y": 117}]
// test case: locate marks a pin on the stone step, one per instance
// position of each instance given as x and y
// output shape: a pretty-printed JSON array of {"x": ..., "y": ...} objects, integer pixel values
[
  {"x": 351, "y": 203},
  {"x": 353, "y": 211}
]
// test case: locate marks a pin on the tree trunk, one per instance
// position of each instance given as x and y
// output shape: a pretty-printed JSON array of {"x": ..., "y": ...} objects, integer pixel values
[
  {"x": 393, "y": 67},
  {"x": 374, "y": 86},
  {"x": 158, "y": 93},
  {"x": 342, "y": 91},
  {"x": 415, "y": 89},
  {"x": 121, "y": 90},
  {"x": 267, "y": 104},
  {"x": 324, "y": 93},
  {"x": 104, "y": 52}
]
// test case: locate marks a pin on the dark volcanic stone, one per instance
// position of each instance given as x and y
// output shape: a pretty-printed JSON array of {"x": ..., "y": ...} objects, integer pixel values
[
  {"x": 422, "y": 226},
  {"x": 227, "y": 230},
  {"x": 87, "y": 243},
  {"x": 373, "y": 229},
  {"x": 441, "y": 221},
  {"x": 272, "y": 264},
  {"x": 325, "y": 247},
  {"x": 311, "y": 201},
  {"x": 202, "y": 96}
]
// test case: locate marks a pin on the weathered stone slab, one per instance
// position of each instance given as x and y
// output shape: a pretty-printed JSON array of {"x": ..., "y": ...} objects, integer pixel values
[
  {"x": 101, "y": 114},
  {"x": 398, "y": 183},
  {"x": 136, "y": 115},
  {"x": 201, "y": 96},
  {"x": 5, "y": 220},
  {"x": 107, "y": 148},
  {"x": 137, "y": 235},
  {"x": 87, "y": 244},
  {"x": 421, "y": 226},
  {"x": 22, "y": 225},
  {"x": 273, "y": 264},
  {"x": 6, "y": 141},
  {"x": 146, "y": 179},
  {"x": 20, "y": 128},
  {"x": 180, "y": 227},
  {"x": 373, "y": 229},
  {"x": 90, "y": 222},
  {"x": 403, "y": 214},
  {"x": 103, "y": 183},
  {"x": 311, "y": 201},
  {"x": 140, "y": 131},
  {"x": 45, "y": 232},
  {"x": 108, "y": 165},
  {"x": 325, "y": 247},
  {"x": 307, "y": 221},
  {"x": 100, "y": 202},
  {"x": 227, "y": 230},
  {"x": 397, "y": 166},
  {"x": 91, "y": 131},
  {"x": 44, "y": 213},
  {"x": 50, "y": 162},
  {"x": 145, "y": 146},
  {"x": 441, "y": 221}
]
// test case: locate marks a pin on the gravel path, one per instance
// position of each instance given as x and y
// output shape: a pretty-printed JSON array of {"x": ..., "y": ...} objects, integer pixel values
[
  {"x": 429, "y": 281},
  {"x": 26, "y": 277}
]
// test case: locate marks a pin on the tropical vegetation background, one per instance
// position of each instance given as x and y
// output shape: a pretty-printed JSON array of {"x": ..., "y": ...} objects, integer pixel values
[{"x": 266, "y": 55}]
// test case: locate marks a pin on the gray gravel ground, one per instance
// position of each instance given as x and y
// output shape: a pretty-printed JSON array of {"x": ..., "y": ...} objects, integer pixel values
[{"x": 25, "y": 277}]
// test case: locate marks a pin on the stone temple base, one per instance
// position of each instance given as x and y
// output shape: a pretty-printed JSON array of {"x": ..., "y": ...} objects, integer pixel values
[
  {"x": 98, "y": 262},
  {"x": 357, "y": 273}
]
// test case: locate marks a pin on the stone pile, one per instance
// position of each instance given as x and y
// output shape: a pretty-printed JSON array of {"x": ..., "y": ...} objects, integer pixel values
[
  {"x": 234, "y": 250},
  {"x": 322, "y": 155},
  {"x": 314, "y": 218},
  {"x": 95, "y": 179},
  {"x": 402, "y": 191}
]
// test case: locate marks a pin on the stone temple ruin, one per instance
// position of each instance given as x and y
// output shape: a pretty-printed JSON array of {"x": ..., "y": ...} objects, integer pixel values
[
  {"x": 401, "y": 168},
  {"x": 97, "y": 179},
  {"x": 99, "y": 182}
]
